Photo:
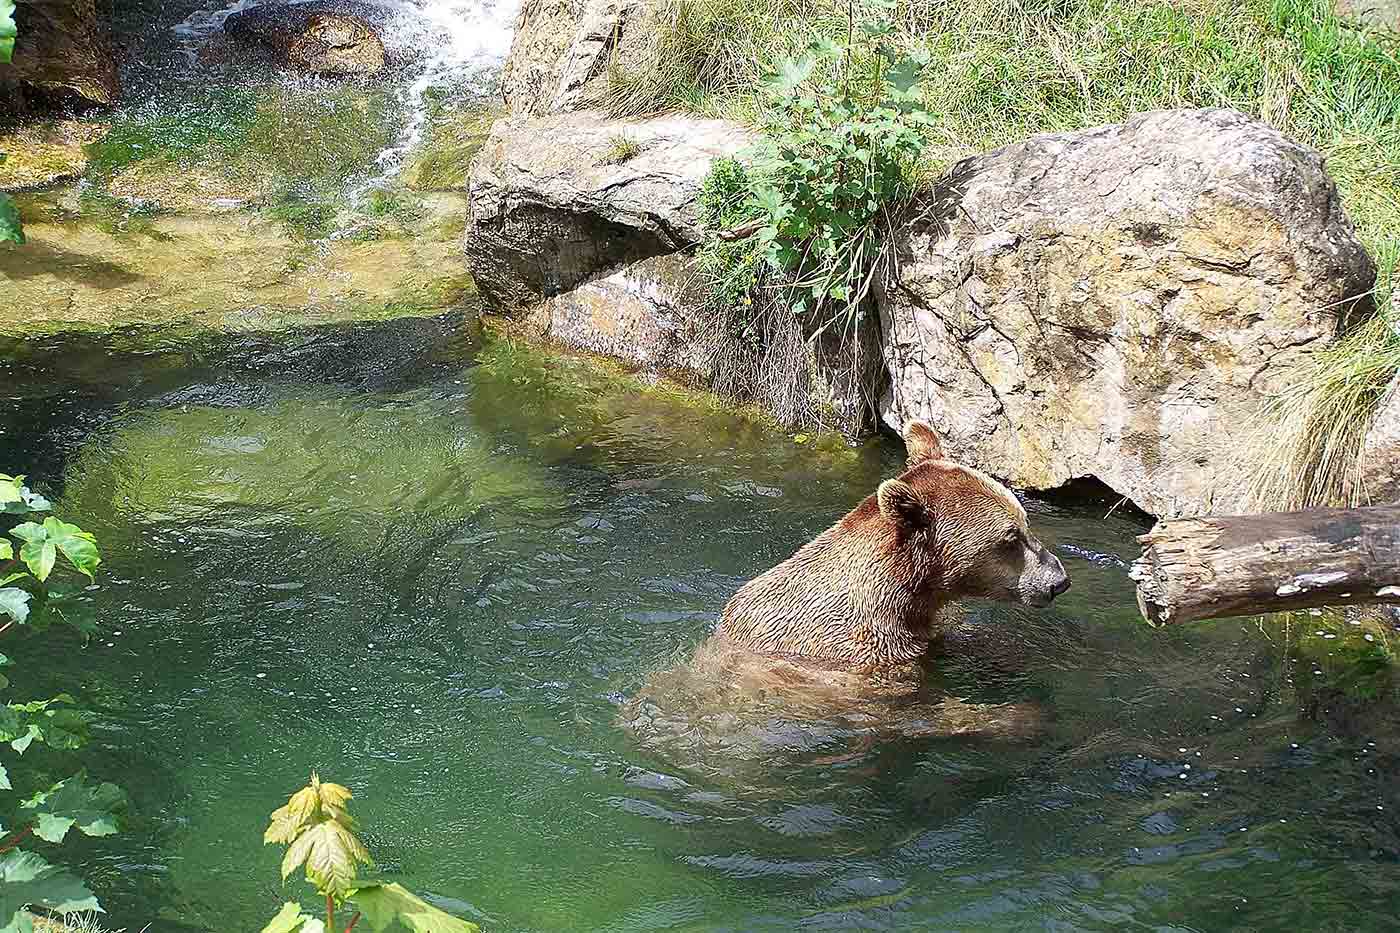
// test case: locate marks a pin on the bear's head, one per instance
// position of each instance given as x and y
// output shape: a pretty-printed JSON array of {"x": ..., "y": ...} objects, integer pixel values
[{"x": 969, "y": 530}]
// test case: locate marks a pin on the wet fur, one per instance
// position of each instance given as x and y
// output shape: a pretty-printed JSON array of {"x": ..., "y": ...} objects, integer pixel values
[{"x": 866, "y": 594}]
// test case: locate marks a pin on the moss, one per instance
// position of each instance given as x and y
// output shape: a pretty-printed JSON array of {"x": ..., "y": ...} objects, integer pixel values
[
  {"x": 1340, "y": 655},
  {"x": 401, "y": 206},
  {"x": 305, "y": 217},
  {"x": 444, "y": 160},
  {"x": 245, "y": 143},
  {"x": 45, "y": 152}
]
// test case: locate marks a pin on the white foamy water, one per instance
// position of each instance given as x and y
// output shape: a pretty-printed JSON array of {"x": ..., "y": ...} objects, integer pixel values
[
  {"x": 442, "y": 48},
  {"x": 454, "y": 46}
]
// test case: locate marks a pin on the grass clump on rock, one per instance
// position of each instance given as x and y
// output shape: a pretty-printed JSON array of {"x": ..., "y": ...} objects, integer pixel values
[{"x": 1001, "y": 70}]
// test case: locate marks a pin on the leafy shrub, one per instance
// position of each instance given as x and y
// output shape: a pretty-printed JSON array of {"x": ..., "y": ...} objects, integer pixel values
[
  {"x": 11, "y": 229},
  {"x": 319, "y": 834},
  {"x": 31, "y": 598},
  {"x": 844, "y": 134}
]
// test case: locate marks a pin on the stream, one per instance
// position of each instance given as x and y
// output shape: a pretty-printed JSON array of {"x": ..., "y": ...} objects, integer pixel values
[{"x": 433, "y": 564}]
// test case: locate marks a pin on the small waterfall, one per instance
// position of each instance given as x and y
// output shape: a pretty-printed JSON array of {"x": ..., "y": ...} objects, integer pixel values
[
  {"x": 443, "y": 50},
  {"x": 454, "y": 48}
]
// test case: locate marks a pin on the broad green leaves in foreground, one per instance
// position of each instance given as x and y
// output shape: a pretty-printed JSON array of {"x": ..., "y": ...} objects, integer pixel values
[
  {"x": 7, "y": 30},
  {"x": 39, "y": 547},
  {"x": 26, "y": 880},
  {"x": 290, "y": 919},
  {"x": 18, "y": 499},
  {"x": 11, "y": 229},
  {"x": 75, "y": 803},
  {"x": 386, "y": 905},
  {"x": 43, "y": 543},
  {"x": 318, "y": 831}
]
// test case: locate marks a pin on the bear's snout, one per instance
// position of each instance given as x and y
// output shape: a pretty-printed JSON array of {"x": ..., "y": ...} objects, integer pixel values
[{"x": 1047, "y": 578}]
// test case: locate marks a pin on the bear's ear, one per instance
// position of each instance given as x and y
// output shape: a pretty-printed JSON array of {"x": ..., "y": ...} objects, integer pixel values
[
  {"x": 900, "y": 503},
  {"x": 921, "y": 443}
]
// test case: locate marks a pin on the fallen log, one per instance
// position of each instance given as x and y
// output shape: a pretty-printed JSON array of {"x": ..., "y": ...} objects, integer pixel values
[{"x": 1207, "y": 568}]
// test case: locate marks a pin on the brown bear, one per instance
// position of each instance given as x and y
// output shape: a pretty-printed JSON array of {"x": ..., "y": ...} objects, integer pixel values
[
  {"x": 833, "y": 641},
  {"x": 864, "y": 594}
]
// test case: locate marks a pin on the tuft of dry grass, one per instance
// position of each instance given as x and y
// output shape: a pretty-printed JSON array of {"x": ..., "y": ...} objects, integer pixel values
[
  {"x": 621, "y": 148},
  {"x": 1305, "y": 448}
]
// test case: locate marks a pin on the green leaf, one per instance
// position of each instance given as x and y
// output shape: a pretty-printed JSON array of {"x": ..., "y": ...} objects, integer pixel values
[
  {"x": 384, "y": 905},
  {"x": 26, "y": 880},
  {"x": 15, "y": 497},
  {"x": 7, "y": 550},
  {"x": 790, "y": 76},
  {"x": 93, "y": 810},
  {"x": 5, "y": 779},
  {"x": 24, "y": 723},
  {"x": 11, "y": 228},
  {"x": 42, "y": 544},
  {"x": 290, "y": 919},
  {"x": 7, "y": 32},
  {"x": 15, "y": 602}
]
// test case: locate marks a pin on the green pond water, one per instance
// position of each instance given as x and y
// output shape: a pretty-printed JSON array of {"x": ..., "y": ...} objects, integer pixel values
[{"x": 434, "y": 566}]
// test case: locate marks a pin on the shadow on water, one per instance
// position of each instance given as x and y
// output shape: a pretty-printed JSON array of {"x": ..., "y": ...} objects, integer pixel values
[{"x": 435, "y": 567}]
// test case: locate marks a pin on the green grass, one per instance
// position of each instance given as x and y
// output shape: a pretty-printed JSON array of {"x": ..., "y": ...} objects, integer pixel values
[
  {"x": 621, "y": 148},
  {"x": 1006, "y": 69}
]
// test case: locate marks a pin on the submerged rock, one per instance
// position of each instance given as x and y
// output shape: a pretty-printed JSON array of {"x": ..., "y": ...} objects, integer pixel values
[
  {"x": 96, "y": 263},
  {"x": 1116, "y": 303},
  {"x": 61, "y": 46},
  {"x": 333, "y": 37}
]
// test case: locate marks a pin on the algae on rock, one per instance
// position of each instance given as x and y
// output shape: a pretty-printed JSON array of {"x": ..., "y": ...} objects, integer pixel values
[{"x": 97, "y": 263}]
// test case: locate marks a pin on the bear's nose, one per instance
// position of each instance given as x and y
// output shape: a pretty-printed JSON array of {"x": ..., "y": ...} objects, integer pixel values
[{"x": 1061, "y": 586}]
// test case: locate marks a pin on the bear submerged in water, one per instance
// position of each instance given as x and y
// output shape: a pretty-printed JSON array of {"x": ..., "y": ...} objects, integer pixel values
[
  {"x": 866, "y": 593},
  {"x": 831, "y": 644}
]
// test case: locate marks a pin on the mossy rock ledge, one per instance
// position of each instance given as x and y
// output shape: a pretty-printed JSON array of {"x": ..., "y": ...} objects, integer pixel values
[{"x": 1115, "y": 302}]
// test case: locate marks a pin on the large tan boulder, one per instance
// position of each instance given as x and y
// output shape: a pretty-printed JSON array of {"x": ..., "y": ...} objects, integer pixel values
[{"x": 1115, "y": 303}]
